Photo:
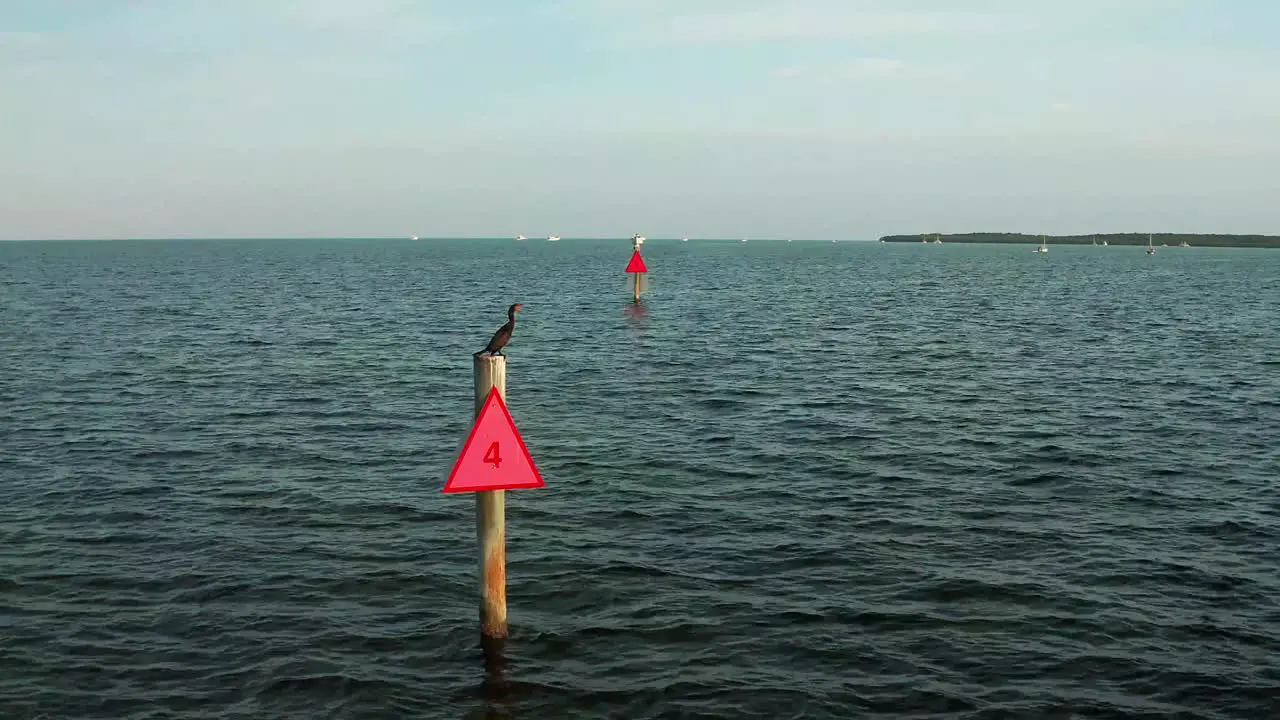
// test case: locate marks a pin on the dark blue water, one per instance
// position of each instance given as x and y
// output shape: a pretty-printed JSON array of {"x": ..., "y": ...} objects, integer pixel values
[{"x": 812, "y": 480}]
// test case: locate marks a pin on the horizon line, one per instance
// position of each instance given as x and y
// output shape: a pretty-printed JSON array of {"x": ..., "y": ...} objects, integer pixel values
[{"x": 408, "y": 238}]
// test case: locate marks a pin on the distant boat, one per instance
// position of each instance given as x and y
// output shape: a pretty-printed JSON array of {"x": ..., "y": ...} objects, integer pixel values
[
  {"x": 1044, "y": 246},
  {"x": 744, "y": 239},
  {"x": 1095, "y": 240},
  {"x": 637, "y": 239},
  {"x": 684, "y": 239},
  {"x": 414, "y": 237},
  {"x": 1151, "y": 250},
  {"x": 1184, "y": 243},
  {"x": 520, "y": 237},
  {"x": 553, "y": 238},
  {"x": 937, "y": 239}
]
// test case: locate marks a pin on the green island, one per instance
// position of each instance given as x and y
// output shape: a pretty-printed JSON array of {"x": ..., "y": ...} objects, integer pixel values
[{"x": 1157, "y": 239}]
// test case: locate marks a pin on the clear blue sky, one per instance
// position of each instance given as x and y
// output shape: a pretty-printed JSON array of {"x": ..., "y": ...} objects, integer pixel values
[{"x": 705, "y": 118}]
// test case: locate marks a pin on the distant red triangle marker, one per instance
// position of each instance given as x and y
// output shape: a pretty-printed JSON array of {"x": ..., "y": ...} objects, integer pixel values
[
  {"x": 494, "y": 456},
  {"x": 637, "y": 263}
]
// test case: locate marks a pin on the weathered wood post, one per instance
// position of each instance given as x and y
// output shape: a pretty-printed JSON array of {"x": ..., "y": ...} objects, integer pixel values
[
  {"x": 491, "y": 520},
  {"x": 635, "y": 276}
]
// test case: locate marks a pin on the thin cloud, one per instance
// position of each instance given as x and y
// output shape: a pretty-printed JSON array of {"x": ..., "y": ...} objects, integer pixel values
[
  {"x": 388, "y": 17},
  {"x": 855, "y": 69},
  {"x": 784, "y": 22},
  {"x": 19, "y": 39},
  {"x": 236, "y": 25}
]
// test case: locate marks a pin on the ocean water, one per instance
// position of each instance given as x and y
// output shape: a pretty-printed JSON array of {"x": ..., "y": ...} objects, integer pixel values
[{"x": 807, "y": 480}]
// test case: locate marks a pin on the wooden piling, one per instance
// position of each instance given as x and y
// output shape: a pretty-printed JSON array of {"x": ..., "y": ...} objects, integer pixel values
[
  {"x": 635, "y": 279},
  {"x": 491, "y": 521}
]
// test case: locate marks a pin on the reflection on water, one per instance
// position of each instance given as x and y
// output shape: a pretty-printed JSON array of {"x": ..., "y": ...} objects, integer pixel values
[
  {"x": 495, "y": 689},
  {"x": 636, "y": 312}
]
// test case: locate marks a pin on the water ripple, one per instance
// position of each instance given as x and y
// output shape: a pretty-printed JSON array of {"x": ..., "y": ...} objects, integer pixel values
[{"x": 811, "y": 480}]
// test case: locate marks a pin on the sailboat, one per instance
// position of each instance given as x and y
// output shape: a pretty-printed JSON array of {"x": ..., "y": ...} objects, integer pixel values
[
  {"x": 553, "y": 238},
  {"x": 1044, "y": 247},
  {"x": 520, "y": 237},
  {"x": 937, "y": 238},
  {"x": 1151, "y": 250}
]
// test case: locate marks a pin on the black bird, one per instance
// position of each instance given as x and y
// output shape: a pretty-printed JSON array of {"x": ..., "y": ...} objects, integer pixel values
[{"x": 503, "y": 335}]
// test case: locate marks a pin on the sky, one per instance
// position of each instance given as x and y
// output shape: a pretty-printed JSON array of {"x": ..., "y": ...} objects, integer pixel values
[{"x": 671, "y": 118}]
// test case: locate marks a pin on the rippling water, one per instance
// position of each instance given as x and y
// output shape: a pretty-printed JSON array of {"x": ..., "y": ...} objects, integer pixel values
[{"x": 812, "y": 480}]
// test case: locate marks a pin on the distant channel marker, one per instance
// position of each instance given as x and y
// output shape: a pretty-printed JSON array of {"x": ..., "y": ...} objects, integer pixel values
[
  {"x": 636, "y": 265},
  {"x": 636, "y": 268}
]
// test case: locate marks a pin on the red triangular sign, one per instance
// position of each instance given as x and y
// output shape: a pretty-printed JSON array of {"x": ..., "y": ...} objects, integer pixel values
[
  {"x": 637, "y": 263},
  {"x": 494, "y": 456}
]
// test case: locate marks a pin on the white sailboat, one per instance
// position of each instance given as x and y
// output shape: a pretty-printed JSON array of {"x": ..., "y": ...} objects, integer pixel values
[
  {"x": 520, "y": 237},
  {"x": 553, "y": 238},
  {"x": 1044, "y": 246},
  {"x": 1151, "y": 250}
]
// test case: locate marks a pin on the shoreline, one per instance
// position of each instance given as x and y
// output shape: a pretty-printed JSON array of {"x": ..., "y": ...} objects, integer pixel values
[{"x": 1157, "y": 239}]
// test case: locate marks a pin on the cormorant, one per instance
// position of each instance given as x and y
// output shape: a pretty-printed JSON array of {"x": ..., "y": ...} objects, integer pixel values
[{"x": 503, "y": 335}]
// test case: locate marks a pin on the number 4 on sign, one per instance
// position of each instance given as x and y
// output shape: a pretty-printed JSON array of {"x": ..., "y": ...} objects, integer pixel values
[
  {"x": 481, "y": 464},
  {"x": 491, "y": 456}
]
